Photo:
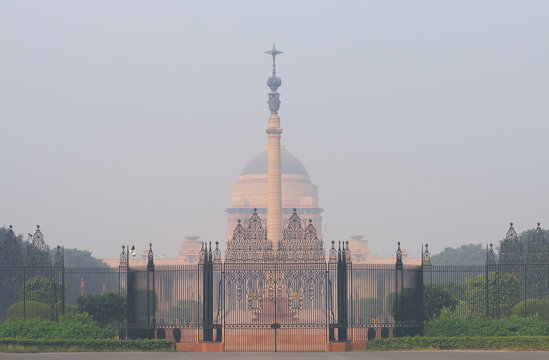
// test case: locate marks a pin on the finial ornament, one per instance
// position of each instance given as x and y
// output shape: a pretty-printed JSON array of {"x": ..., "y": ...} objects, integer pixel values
[
  {"x": 426, "y": 256},
  {"x": 399, "y": 255},
  {"x": 274, "y": 83},
  {"x": 511, "y": 233},
  {"x": 274, "y": 52}
]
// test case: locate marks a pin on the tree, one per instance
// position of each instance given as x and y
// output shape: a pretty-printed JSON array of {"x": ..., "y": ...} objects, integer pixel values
[
  {"x": 532, "y": 249},
  {"x": 106, "y": 309},
  {"x": 470, "y": 254},
  {"x": 435, "y": 299},
  {"x": 407, "y": 309},
  {"x": 487, "y": 296},
  {"x": 81, "y": 259},
  {"x": 530, "y": 246},
  {"x": 42, "y": 289}
]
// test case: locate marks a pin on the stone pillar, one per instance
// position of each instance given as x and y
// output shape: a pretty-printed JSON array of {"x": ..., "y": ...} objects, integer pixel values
[{"x": 274, "y": 189}]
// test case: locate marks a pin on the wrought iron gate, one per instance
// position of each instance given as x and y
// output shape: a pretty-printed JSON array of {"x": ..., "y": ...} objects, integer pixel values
[
  {"x": 275, "y": 307},
  {"x": 288, "y": 299}
]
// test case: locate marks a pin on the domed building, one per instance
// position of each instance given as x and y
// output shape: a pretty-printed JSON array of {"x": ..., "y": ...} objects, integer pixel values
[{"x": 250, "y": 191}]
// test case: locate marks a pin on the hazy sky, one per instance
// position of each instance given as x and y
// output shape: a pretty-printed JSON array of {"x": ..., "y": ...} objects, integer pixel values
[{"x": 127, "y": 122}]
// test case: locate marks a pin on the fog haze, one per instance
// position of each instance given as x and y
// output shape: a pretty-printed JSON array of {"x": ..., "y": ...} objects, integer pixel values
[{"x": 127, "y": 122}]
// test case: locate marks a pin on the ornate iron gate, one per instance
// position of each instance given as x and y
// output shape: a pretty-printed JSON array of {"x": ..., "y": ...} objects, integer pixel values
[
  {"x": 275, "y": 307},
  {"x": 262, "y": 299}
]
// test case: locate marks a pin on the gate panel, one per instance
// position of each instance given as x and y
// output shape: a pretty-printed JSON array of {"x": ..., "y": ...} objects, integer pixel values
[{"x": 275, "y": 307}]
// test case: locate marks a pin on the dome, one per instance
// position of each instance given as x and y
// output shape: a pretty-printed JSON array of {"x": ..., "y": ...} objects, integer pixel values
[
  {"x": 307, "y": 201},
  {"x": 289, "y": 164}
]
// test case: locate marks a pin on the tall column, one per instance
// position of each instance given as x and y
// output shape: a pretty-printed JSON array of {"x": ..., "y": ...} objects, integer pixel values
[{"x": 274, "y": 189}]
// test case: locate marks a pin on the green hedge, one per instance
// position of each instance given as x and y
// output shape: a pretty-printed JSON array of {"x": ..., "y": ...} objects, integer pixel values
[
  {"x": 70, "y": 326},
  {"x": 34, "y": 345},
  {"x": 532, "y": 307},
  {"x": 461, "y": 343},
  {"x": 449, "y": 324},
  {"x": 25, "y": 310}
]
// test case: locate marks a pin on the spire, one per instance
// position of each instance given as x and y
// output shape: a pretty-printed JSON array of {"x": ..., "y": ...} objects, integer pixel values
[
  {"x": 274, "y": 83},
  {"x": 274, "y": 52}
]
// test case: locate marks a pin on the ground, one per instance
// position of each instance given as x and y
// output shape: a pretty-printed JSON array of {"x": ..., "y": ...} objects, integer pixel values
[{"x": 386, "y": 355}]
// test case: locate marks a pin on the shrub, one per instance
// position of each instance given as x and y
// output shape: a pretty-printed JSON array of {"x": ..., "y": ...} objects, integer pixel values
[
  {"x": 463, "y": 343},
  {"x": 532, "y": 307},
  {"x": 107, "y": 308},
  {"x": 70, "y": 326},
  {"x": 29, "y": 309},
  {"x": 406, "y": 310},
  {"x": 33, "y": 345},
  {"x": 449, "y": 324},
  {"x": 435, "y": 299}
]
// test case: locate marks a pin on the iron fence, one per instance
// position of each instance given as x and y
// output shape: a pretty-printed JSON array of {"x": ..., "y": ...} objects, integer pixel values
[
  {"x": 277, "y": 301},
  {"x": 319, "y": 301}
]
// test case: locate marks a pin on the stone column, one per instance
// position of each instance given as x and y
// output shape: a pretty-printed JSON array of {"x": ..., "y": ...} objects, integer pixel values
[{"x": 274, "y": 189}]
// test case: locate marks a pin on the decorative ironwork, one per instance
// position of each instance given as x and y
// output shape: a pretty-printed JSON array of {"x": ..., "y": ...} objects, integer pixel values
[
  {"x": 333, "y": 253},
  {"x": 399, "y": 263},
  {"x": 425, "y": 256},
  {"x": 250, "y": 242},
  {"x": 201, "y": 254},
  {"x": 124, "y": 260},
  {"x": 59, "y": 256},
  {"x": 38, "y": 250},
  {"x": 537, "y": 247},
  {"x": 11, "y": 251},
  {"x": 150, "y": 259},
  {"x": 490, "y": 255},
  {"x": 300, "y": 242},
  {"x": 217, "y": 253},
  {"x": 511, "y": 233},
  {"x": 274, "y": 286},
  {"x": 511, "y": 249}
]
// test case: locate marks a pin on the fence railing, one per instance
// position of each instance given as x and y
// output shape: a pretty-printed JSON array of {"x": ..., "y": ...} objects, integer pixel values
[{"x": 372, "y": 295}]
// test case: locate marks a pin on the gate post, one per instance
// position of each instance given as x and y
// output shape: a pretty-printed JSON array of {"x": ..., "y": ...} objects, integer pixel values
[
  {"x": 425, "y": 268},
  {"x": 342, "y": 293},
  {"x": 151, "y": 295},
  {"x": 59, "y": 267},
  {"x": 123, "y": 288},
  {"x": 399, "y": 268},
  {"x": 207, "y": 291},
  {"x": 332, "y": 265},
  {"x": 491, "y": 290},
  {"x": 217, "y": 267}
]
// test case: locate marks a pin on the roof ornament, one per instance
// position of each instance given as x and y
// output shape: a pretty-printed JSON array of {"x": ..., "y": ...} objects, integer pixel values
[{"x": 274, "y": 83}]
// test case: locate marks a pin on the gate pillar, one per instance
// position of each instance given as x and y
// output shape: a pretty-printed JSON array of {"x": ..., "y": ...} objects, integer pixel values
[
  {"x": 343, "y": 261},
  {"x": 207, "y": 291}
]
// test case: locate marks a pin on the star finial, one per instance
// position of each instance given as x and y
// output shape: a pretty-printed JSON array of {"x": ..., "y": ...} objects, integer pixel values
[{"x": 274, "y": 52}]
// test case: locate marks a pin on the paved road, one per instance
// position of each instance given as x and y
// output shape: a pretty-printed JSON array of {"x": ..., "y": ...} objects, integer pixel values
[{"x": 386, "y": 355}]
